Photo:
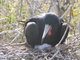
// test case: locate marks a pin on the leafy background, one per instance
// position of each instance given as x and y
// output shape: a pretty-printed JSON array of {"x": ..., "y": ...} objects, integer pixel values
[{"x": 13, "y": 11}]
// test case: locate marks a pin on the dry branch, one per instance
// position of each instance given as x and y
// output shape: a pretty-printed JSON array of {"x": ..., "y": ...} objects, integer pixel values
[{"x": 10, "y": 31}]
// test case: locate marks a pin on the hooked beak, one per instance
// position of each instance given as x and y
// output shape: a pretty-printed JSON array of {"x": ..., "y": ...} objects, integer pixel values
[{"x": 46, "y": 29}]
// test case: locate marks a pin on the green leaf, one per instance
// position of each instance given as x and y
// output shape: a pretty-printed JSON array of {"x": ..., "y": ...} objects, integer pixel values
[{"x": 74, "y": 20}]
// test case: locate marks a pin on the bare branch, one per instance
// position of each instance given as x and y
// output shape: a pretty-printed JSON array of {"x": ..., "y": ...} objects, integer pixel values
[
  {"x": 30, "y": 7},
  {"x": 14, "y": 38},
  {"x": 68, "y": 9},
  {"x": 10, "y": 31},
  {"x": 51, "y": 4}
]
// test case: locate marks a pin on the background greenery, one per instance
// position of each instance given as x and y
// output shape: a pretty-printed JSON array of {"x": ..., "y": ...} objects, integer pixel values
[{"x": 13, "y": 11}]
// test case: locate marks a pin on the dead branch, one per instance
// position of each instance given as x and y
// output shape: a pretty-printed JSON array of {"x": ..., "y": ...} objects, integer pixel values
[
  {"x": 51, "y": 4},
  {"x": 10, "y": 31},
  {"x": 68, "y": 9},
  {"x": 30, "y": 7}
]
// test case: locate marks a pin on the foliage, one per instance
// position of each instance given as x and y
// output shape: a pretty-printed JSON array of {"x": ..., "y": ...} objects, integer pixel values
[{"x": 12, "y": 11}]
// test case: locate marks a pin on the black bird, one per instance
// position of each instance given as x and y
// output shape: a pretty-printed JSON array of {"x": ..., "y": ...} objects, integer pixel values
[{"x": 44, "y": 28}]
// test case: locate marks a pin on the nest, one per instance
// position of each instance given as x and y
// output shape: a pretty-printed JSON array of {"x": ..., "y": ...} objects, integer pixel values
[{"x": 62, "y": 52}]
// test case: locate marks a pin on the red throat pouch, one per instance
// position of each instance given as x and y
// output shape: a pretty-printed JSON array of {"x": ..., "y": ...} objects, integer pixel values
[{"x": 50, "y": 31}]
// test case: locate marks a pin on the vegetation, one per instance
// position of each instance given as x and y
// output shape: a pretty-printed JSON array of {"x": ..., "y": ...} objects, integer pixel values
[{"x": 12, "y": 39}]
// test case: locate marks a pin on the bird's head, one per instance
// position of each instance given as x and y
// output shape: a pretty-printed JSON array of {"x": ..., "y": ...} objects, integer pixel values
[{"x": 52, "y": 24}]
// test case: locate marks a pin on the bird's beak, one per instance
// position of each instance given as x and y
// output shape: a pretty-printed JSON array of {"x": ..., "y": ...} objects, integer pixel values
[{"x": 46, "y": 29}]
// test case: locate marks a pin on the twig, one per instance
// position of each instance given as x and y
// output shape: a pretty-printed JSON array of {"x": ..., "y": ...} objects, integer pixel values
[
  {"x": 66, "y": 12},
  {"x": 10, "y": 31},
  {"x": 21, "y": 6},
  {"x": 15, "y": 44},
  {"x": 54, "y": 55},
  {"x": 62, "y": 56},
  {"x": 58, "y": 7},
  {"x": 63, "y": 36},
  {"x": 31, "y": 7},
  {"x": 14, "y": 38},
  {"x": 51, "y": 4}
]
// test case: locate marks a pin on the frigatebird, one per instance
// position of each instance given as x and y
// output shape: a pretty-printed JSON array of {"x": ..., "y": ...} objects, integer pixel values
[{"x": 45, "y": 28}]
